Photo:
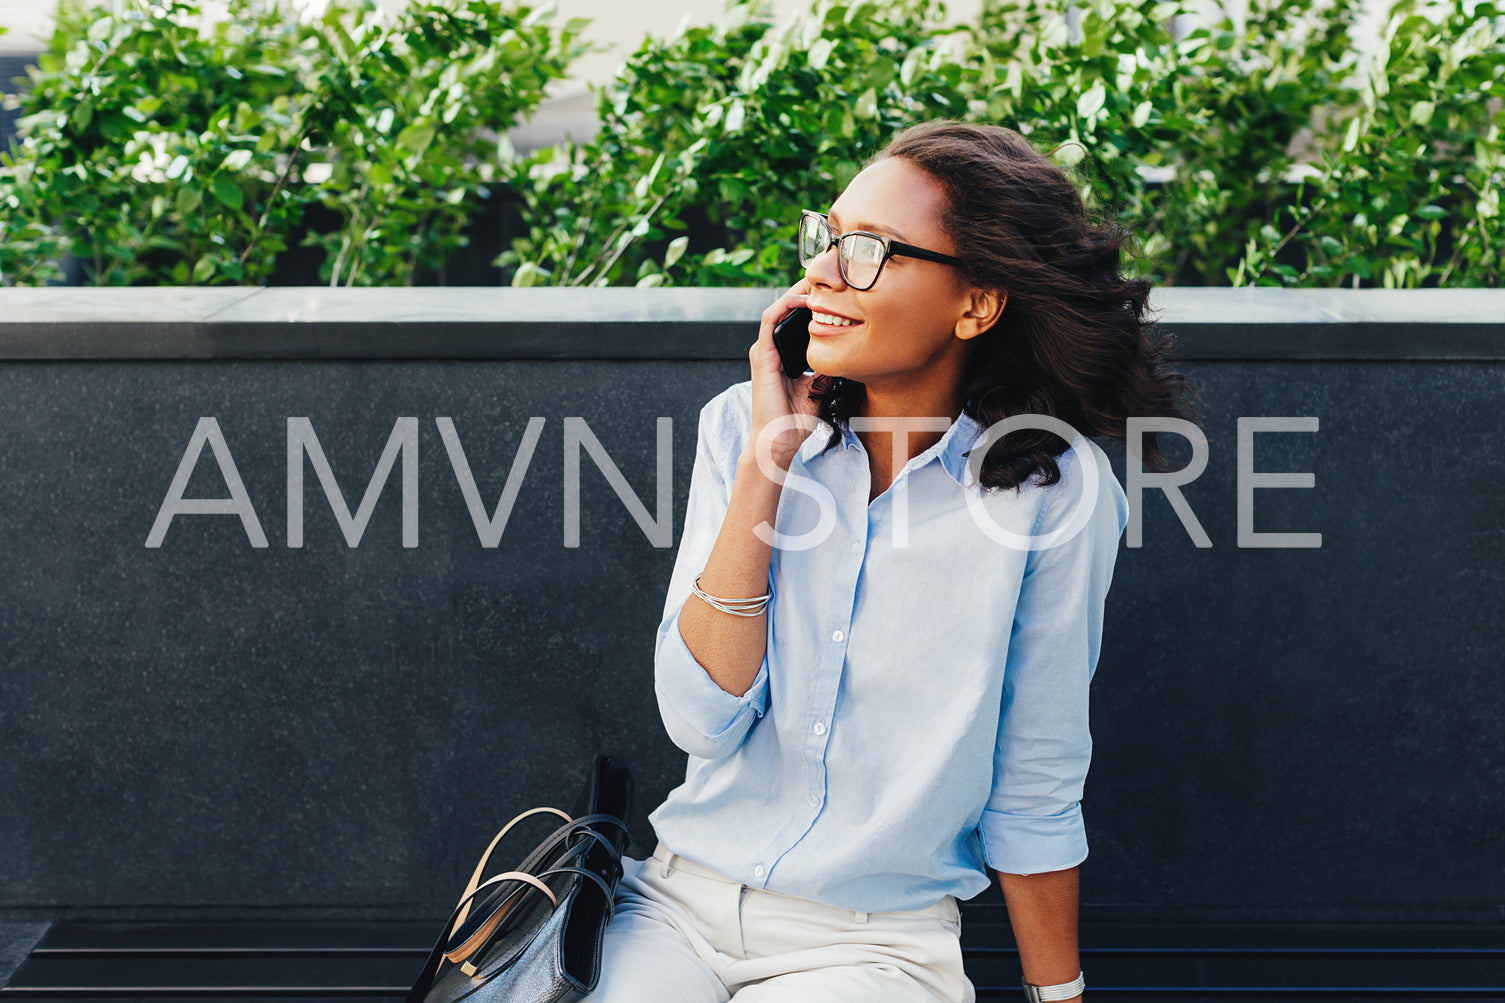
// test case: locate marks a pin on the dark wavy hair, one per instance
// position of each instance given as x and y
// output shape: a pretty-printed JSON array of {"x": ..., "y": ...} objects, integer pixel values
[{"x": 1074, "y": 339}]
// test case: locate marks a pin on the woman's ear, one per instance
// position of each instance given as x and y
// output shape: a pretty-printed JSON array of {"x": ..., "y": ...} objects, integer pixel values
[{"x": 982, "y": 313}]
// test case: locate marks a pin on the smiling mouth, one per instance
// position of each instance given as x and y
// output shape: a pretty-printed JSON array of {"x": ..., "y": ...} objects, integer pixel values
[{"x": 832, "y": 320}]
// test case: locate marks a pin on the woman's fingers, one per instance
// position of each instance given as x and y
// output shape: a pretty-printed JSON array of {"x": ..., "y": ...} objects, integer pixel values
[
  {"x": 767, "y": 366},
  {"x": 780, "y": 308}
]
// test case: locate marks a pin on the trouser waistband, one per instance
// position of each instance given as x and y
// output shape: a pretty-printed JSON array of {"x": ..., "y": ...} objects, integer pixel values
[{"x": 667, "y": 861}]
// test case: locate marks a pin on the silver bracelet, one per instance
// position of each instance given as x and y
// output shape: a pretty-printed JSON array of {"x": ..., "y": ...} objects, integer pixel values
[
  {"x": 736, "y": 607},
  {"x": 1064, "y": 991}
]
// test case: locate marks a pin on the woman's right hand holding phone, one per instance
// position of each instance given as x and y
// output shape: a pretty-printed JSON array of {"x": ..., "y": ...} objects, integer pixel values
[
  {"x": 731, "y": 648},
  {"x": 782, "y": 413}
]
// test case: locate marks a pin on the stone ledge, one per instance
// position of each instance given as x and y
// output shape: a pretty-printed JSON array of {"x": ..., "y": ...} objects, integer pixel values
[{"x": 80, "y": 323}]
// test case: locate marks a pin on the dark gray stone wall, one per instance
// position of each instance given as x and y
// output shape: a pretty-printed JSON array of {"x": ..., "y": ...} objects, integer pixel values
[{"x": 212, "y": 728}]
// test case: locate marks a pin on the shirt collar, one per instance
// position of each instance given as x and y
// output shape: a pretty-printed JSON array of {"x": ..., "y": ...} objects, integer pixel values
[
  {"x": 951, "y": 449},
  {"x": 956, "y": 443},
  {"x": 815, "y": 442}
]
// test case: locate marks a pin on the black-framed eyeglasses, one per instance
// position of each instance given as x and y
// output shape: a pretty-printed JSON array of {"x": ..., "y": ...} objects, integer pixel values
[{"x": 860, "y": 255}]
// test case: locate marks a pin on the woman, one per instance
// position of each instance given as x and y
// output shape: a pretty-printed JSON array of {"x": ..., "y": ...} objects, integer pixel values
[{"x": 878, "y": 639}]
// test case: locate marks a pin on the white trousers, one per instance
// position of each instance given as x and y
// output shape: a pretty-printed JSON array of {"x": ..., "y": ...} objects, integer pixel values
[{"x": 682, "y": 933}]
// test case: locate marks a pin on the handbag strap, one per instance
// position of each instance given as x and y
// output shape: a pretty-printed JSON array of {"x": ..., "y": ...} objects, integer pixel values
[
  {"x": 469, "y": 967},
  {"x": 475, "y": 878},
  {"x": 478, "y": 937},
  {"x": 458, "y": 932},
  {"x": 497, "y": 906}
]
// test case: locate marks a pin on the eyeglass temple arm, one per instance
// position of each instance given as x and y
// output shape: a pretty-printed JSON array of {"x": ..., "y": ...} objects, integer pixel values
[{"x": 911, "y": 251}]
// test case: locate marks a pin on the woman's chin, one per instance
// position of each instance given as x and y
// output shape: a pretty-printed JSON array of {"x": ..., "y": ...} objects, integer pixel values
[{"x": 825, "y": 363}]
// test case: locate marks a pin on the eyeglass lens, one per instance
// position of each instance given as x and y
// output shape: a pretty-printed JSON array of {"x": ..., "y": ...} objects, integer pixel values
[{"x": 860, "y": 255}]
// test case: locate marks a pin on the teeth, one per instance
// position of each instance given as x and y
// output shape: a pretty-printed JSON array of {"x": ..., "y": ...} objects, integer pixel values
[{"x": 826, "y": 318}]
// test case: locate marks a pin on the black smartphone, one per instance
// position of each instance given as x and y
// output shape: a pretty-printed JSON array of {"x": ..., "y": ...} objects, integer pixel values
[{"x": 791, "y": 336}]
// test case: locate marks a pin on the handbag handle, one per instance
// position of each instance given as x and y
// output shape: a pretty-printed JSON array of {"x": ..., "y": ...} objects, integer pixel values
[
  {"x": 482, "y": 932},
  {"x": 497, "y": 906},
  {"x": 475, "y": 878},
  {"x": 499, "y": 902},
  {"x": 477, "y": 943}
]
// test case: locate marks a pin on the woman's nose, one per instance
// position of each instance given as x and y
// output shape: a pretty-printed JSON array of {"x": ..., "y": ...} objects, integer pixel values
[{"x": 825, "y": 269}]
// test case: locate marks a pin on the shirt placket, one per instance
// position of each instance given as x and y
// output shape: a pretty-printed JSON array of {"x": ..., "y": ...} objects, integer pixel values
[{"x": 852, "y": 518}]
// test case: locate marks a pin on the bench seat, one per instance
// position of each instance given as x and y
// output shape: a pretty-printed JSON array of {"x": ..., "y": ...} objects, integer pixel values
[{"x": 265, "y": 961}]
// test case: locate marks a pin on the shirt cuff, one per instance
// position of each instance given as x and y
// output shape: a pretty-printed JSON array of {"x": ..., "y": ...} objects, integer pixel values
[
  {"x": 685, "y": 688},
  {"x": 1033, "y": 844}
]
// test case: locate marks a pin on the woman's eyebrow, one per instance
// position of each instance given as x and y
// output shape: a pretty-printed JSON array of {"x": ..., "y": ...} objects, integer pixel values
[{"x": 887, "y": 231}]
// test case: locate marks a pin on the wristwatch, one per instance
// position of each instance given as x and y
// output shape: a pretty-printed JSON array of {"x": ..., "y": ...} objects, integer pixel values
[{"x": 1064, "y": 991}]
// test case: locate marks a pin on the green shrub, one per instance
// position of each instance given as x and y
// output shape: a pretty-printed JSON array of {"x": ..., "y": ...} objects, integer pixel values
[
  {"x": 749, "y": 122},
  {"x": 1190, "y": 141},
  {"x": 1404, "y": 188},
  {"x": 158, "y": 152},
  {"x": 1267, "y": 149}
]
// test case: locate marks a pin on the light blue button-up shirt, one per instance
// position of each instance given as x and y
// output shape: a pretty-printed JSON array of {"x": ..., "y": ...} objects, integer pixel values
[{"x": 921, "y": 710}]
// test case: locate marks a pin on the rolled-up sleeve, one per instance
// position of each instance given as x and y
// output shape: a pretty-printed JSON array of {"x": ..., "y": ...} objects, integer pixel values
[
  {"x": 702, "y": 718},
  {"x": 1033, "y": 820}
]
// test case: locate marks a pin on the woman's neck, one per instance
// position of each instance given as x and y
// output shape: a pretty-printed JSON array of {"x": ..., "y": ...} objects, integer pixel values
[{"x": 916, "y": 418}]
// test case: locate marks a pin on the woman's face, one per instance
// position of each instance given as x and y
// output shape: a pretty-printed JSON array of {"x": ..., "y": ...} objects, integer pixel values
[{"x": 910, "y": 331}]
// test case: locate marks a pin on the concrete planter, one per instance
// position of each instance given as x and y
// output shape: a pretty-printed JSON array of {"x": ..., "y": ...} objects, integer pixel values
[{"x": 1283, "y": 734}]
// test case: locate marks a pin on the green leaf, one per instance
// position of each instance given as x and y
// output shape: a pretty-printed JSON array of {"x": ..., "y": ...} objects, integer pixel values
[
  {"x": 734, "y": 117},
  {"x": 1069, "y": 154},
  {"x": 1421, "y": 112},
  {"x": 1431, "y": 212},
  {"x": 645, "y": 183},
  {"x": 188, "y": 200},
  {"x": 236, "y": 160},
  {"x": 911, "y": 67},
  {"x": 1091, "y": 103},
  {"x": 527, "y": 274},
  {"x": 540, "y": 14},
  {"x": 1351, "y": 137},
  {"x": 676, "y": 250},
  {"x": 415, "y": 139},
  {"x": 867, "y": 105},
  {"x": 1142, "y": 113},
  {"x": 228, "y": 192},
  {"x": 819, "y": 53},
  {"x": 203, "y": 269}
]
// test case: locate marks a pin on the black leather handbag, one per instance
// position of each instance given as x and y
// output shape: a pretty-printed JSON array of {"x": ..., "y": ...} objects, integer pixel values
[{"x": 533, "y": 934}]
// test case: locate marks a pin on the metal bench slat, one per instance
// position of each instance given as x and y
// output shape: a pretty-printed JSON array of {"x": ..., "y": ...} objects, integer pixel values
[{"x": 349, "y": 962}]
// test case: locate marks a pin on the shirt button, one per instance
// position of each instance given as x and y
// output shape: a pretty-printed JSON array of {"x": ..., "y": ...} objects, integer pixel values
[
  {"x": 758, "y": 871},
  {"x": 814, "y": 801},
  {"x": 856, "y": 548},
  {"x": 837, "y": 636},
  {"x": 820, "y": 728}
]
